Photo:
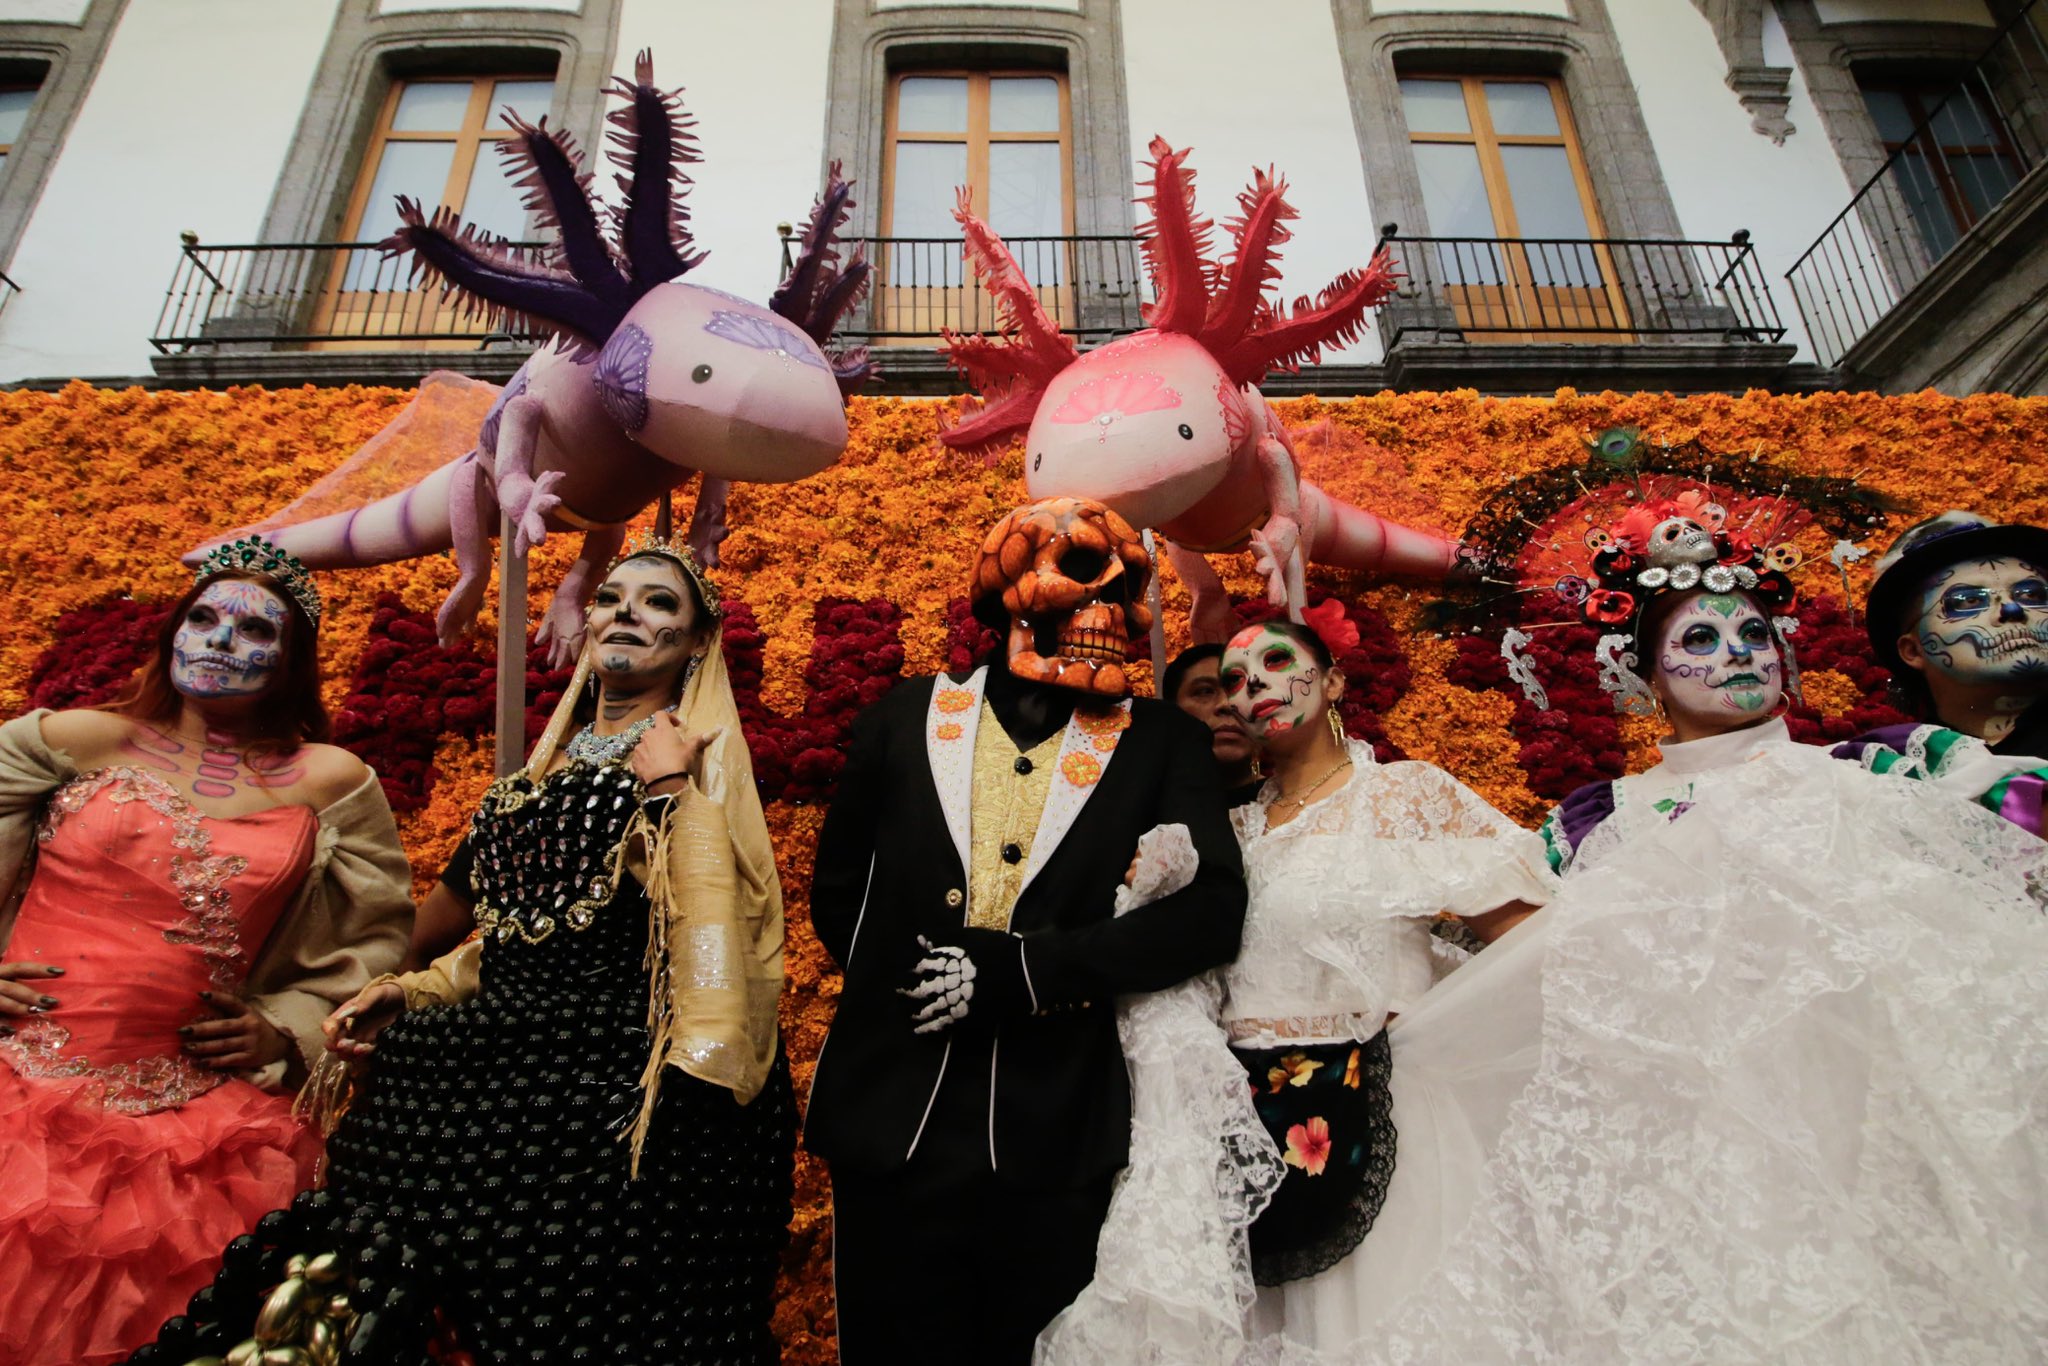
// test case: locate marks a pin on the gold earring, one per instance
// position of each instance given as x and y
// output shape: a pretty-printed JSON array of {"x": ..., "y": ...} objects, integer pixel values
[{"x": 1337, "y": 725}]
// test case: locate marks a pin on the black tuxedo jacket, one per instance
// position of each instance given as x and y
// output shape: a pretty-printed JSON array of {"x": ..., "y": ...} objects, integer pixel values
[{"x": 1057, "y": 1113}]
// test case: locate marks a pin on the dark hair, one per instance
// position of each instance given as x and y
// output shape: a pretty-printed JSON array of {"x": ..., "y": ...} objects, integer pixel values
[
  {"x": 291, "y": 713},
  {"x": 1908, "y": 690},
  {"x": 1184, "y": 664}
]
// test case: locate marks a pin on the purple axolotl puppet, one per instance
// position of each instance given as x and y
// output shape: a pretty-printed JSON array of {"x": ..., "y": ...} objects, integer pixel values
[
  {"x": 650, "y": 379},
  {"x": 1166, "y": 426}
]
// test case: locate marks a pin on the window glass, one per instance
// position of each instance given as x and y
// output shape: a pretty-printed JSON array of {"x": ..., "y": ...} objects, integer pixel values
[
  {"x": 1454, "y": 190},
  {"x": 493, "y": 203},
  {"x": 1023, "y": 104},
  {"x": 1521, "y": 109},
  {"x": 1435, "y": 106},
  {"x": 14, "y": 107},
  {"x": 431, "y": 107},
  {"x": 528, "y": 99},
  {"x": 931, "y": 104}
]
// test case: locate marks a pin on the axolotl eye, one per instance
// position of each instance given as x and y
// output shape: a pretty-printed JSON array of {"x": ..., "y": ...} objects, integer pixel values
[
  {"x": 701, "y": 373},
  {"x": 1187, "y": 433}
]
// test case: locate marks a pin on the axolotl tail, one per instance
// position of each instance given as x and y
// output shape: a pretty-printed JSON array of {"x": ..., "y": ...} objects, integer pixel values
[{"x": 413, "y": 521}]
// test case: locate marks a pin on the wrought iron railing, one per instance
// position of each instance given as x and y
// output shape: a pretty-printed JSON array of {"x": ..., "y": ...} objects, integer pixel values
[
  {"x": 1091, "y": 286},
  {"x": 1576, "y": 289},
  {"x": 1961, "y": 160},
  {"x": 304, "y": 294}
]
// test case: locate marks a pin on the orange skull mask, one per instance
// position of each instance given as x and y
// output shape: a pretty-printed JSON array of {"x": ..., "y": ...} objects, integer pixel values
[{"x": 1067, "y": 577}]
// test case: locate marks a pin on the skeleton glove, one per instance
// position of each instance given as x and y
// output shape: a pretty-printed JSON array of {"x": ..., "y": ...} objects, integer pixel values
[{"x": 983, "y": 975}]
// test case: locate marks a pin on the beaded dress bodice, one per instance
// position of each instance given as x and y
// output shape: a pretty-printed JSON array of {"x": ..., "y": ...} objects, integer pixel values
[{"x": 145, "y": 901}]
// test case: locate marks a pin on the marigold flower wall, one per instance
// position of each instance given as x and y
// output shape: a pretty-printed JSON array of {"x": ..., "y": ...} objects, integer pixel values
[{"x": 846, "y": 581}]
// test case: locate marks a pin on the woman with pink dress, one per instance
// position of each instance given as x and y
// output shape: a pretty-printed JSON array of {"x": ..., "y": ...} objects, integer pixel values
[{"x": 189, "y": 883}]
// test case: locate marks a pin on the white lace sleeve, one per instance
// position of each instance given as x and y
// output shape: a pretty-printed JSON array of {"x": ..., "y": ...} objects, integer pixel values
[
  {"x": 1412, "y": 843},
  {"x": 1166, "y": 862},
  {"x": 1172, "y": 1265}
]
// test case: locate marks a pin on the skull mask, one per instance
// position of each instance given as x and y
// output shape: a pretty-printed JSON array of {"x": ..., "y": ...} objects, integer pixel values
[
  {"x": 1680, "y": 540},
  {"x": 1067, "y": 577}
]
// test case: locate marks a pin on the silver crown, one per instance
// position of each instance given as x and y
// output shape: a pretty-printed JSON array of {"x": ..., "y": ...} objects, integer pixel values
[{"x": 252, "y": 554}]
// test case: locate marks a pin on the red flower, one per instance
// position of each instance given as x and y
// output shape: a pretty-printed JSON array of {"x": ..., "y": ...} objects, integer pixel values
[
  {"x": 1308, "y": 1145},
  {"x": 1327, "y": 620},
  {"x": 1611, "y": 606}
]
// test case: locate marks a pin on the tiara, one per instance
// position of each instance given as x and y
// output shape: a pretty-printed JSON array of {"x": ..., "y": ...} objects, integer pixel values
[
  {"x": 253, "y": 555},
  {"x": 655, "y": 543}
]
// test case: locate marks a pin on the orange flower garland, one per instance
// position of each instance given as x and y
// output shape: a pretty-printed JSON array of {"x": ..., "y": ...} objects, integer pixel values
[{"x": 106, "y": 488}]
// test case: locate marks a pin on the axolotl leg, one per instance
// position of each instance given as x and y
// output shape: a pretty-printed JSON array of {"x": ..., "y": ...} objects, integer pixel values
[
  {"x": 472, "y": 517},
  {"x": 1209, "y": 615},
  {"x": 561, "y": 626},
  {"x": 526, "y": 498}
]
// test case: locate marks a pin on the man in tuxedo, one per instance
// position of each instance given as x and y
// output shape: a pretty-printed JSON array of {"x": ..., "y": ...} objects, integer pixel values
[{"x": 971, "y": 1098}]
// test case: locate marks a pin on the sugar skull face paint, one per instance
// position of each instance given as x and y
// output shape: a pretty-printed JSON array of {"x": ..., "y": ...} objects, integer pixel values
[
  {"x": 230, "y": 642},
  {"x": 642, "y": 621},
  {"x": 1273, "y": 684},
  {"x": 1986, "y": 621},
  {"x": 1719, "y": 663}
]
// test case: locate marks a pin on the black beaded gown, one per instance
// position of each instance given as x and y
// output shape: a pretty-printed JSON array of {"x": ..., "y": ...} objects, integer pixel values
[{"x": 480, "y": 1179}]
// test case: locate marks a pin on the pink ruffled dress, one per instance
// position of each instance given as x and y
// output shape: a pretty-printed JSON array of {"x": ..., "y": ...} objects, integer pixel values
[{"x": 124, "y": 1167}]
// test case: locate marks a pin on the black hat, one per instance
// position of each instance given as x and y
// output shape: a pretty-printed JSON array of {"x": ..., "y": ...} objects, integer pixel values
[{"x": 1934, "y": 544}]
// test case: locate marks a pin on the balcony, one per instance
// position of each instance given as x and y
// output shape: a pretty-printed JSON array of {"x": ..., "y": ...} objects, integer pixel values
[
  {"x": 289, "y": 312},
  {"x": 1940, "y": 254},
  {"x": 1529, "y": 314}
]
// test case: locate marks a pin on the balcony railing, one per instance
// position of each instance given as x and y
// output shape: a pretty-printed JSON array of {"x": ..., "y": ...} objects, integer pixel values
[
  {"x": 8, "y": 289},
  {"x": 1091, "y": 286},
  {"x": 1528, "y": 289},
  {"x": 311, "y": 295},
  {"x": 1958, "y": 163}
]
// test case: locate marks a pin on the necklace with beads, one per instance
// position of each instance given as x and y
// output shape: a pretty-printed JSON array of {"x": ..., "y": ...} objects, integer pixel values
[
  {"x": 1296, "y": 803},
  {"x": 591, "y": 748}
]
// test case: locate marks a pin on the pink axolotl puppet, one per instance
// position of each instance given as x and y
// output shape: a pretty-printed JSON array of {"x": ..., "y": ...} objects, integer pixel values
[
  {"x": 1165, "y": 425},
  {"x": 651, "y": 380}
]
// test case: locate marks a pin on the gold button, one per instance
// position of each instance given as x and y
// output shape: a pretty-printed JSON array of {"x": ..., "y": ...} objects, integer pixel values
[{"x": 955, "y": 898}]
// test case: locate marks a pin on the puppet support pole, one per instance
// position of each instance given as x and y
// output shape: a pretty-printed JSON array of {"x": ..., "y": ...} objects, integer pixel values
[
  {"x": 511, "y": 651},
  {"x": 1152, "y": 596}
]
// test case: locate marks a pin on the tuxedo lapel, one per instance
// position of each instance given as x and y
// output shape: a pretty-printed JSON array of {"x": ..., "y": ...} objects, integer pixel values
[
  {"x": 1087, "y": 748},
  {"x": 951, "y": 720}
]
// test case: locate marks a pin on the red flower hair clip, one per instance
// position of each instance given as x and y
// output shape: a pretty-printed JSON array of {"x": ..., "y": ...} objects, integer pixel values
[{"x": 1339, "y": 633}]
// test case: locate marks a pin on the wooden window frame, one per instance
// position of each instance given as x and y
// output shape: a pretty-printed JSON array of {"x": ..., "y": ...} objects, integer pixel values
[
  {"x": 470, "y": 139},
  {"x": 977, "y": 136},
  {"x": 410, "y": 309},
  {"x": 1921, "y": 96},
  {"x": 1486, "y": 144}
]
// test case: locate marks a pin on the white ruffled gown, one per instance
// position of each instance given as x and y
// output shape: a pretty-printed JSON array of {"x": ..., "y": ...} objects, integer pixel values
[
  {"x": 1336, "y": 937},
  {"x": 1764, "y": 1084}
]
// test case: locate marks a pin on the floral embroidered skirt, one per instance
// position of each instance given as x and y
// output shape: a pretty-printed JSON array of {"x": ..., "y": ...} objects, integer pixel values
[{"x": 1330, "y": 1112}]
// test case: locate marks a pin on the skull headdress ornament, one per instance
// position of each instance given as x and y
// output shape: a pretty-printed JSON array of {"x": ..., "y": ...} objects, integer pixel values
[{"x": 1066, "y": 577}]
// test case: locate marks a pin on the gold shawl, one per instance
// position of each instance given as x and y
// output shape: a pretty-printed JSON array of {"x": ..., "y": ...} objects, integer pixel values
[{"x": 714, "y": 925}]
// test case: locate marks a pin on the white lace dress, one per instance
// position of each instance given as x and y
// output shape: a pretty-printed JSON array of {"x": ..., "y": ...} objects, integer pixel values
[
  {"x": 1336, "y": 937},
  {"x": 1765, "y": 1083}
]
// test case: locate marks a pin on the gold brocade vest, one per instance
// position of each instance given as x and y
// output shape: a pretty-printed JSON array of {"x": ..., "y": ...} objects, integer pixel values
[{"x": 1010, "y": 788}]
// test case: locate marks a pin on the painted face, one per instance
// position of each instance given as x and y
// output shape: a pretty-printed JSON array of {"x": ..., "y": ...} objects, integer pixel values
[
  {"x": 231, "y": 641},
  {"x": 1986, "y": 621},
  {"x": 1719, "y": 663},
  {"x": 1201, "y": 696},
  {"x": 643, "y": 620},
  {"x": 1274, "y": 685}
]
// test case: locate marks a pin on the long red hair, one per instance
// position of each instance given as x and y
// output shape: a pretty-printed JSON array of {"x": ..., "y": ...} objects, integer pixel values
[{"x": 289, "y": 711}]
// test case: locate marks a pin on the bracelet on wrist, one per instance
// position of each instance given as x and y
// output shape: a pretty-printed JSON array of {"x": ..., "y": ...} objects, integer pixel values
[{"x": 650, "y": 783}]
